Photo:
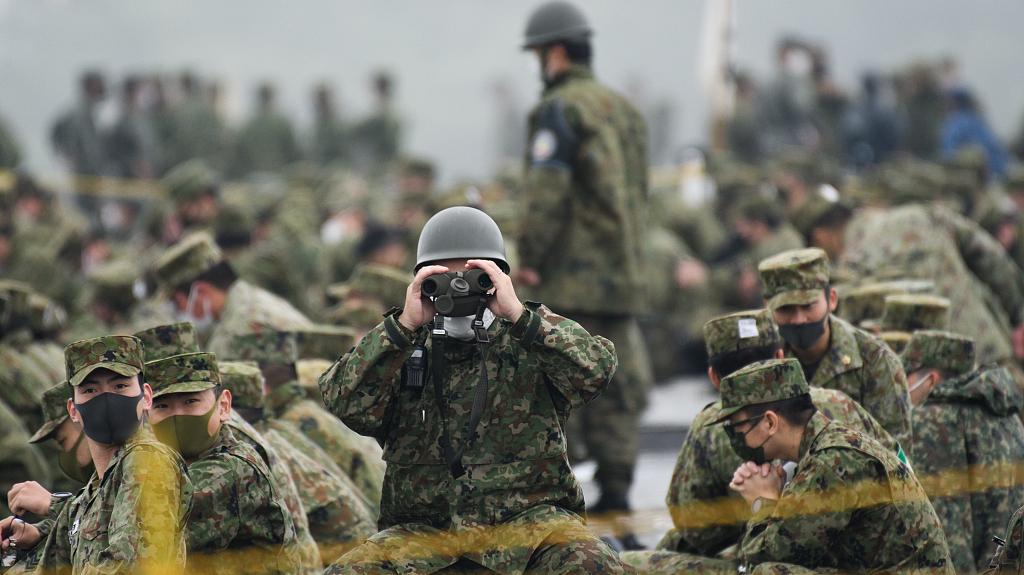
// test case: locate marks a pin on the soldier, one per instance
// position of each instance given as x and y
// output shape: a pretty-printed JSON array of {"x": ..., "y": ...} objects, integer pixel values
[
  {"x": 377, "y": 140},
  {"x": 277, "y": 354},
  {"x": 132, "y": 142},
  {"x": 864, "y": 304},
  {"x": 132, "y": 511},
  {"x": 238, "y": 518},
  {"x": 18, "y": 459},
  {"x": 205, "y": 289},
  {"x": 334, "y": 515},
  {"x": 586, "y": 186},
  {"x": 851, "y": 505},
  {"x": 164, "y": 341},
  {"x": 368, "y": 293},
  {"x": 833, "y": 353},
  {"x": 477, "y": 468},
  {"x": 968, "y": 442},
  {"x": 708, "y": 517},
  {"x": 330, "y": 140},
  {"x": 75, "y": 135},
  {"x": 267, "y": 141},
  {"x": 193, "y": 189}
]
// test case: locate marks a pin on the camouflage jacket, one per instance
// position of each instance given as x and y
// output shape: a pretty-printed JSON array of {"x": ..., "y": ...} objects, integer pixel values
[
  {"x": 708, "y": 516},
  {"x": 359, "y": 458},
  {"x": 310, "y": 561},
  {"x": 239, "y": 523},
  {"x": 863, "y": 367},
  {"x": 19, "y": 459},
  {"x": 984, "y": 286},
  {"x": 248, "y": 309},
  {"x": 969, "y": 447},
  {"x": 584, "y": 213},
  {"x": 851, "y": 505},
  {"x": 338, "y": 516},
  {"x": 1009, "y": 558},
  {"x": 135, "y": 514},
  {"x": 538, "y": 368}
]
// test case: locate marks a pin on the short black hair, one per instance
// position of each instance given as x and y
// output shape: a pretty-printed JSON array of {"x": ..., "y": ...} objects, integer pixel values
[
  {"x": 578, "y": 51},
  {"x": 376, "y": 237},
  {"x": 728, "y": 362},
  {"x": 837, "y": 215},
  {"x": 797, "y": 411}
]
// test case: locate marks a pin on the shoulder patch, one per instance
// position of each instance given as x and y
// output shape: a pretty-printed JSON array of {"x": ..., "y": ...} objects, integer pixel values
[
  {"x": 544, "y": 145},
  {"x": 553, "y": 143}
]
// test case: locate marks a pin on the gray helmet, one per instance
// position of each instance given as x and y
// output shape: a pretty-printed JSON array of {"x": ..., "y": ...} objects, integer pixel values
[
  {"x": 555, "y": 21},
  {"x": 461, "y": 232}
]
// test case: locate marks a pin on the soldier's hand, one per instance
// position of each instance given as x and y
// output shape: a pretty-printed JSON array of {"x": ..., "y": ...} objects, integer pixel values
[
  {"x": 752, "y": 481},
  {"x": 505, "y": 302},
  {"x": 691, "y": 273},
  {"x": 24, "y": 535},
  {"x": 418, "y": 309},
  {"x": 527, "y": 276},
  {"x": 29, "y": 497}
]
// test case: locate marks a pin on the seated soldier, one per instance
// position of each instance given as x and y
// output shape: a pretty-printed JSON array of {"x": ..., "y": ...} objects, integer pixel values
[
  {"x": 238, "y": 518},
  {"x": 477, "y": 472}
]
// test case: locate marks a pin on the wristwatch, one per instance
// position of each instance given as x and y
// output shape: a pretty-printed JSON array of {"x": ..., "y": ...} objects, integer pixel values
[{"x": 757, "y": 505}]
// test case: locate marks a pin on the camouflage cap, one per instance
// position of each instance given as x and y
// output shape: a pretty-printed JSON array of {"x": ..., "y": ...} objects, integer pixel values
[
  {"x": 309, "y": 371},
  {"x": 190, "y": 180},
  {"x": 183, "y": 262},
  {"x": 935, "y": 349},
  {"x": 46, "y": 317},
  {"x": 245, "y": 381},
  {"x": 121, "y": 354},
  {"x": 740, "y": 330},
  {"x": 55, "y": 411},
  {"x": 268, "y": 346},
  {"x": 762, "y": 382},
  {"x": 912, "y": 312},
  {"x": 114, "y": 284},
  {"x": 896, "y": 340},
  {"x": 867, "y": 301},
  {"x": 383, "y": 283},
  {"x": 794, "y": 277},
  {"x": 183, "y": 373},
  {"x": 324, "y": 341},
  {"x": 818, "y": 208},
  {"x": 167, "y": 340}
]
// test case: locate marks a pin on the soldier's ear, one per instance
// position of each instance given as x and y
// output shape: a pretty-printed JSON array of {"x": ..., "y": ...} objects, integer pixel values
[
  {"x": 715, "y": 381},
  {"x": 833, "y": 299},
  {"x": 72, "y": 412}
]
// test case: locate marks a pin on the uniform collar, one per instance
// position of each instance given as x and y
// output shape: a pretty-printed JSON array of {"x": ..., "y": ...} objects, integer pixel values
[
  {"x": 843, "y": 353},
  {"x": 812, "y": 430},
  {"x": 575, "y": 72}
]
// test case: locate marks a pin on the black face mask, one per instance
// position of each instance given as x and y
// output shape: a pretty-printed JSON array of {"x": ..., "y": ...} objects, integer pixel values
[
  {"x": 803, "y": 335},
  {"x": 110, "y": 418},
  {"x": 738, "y": 442}
]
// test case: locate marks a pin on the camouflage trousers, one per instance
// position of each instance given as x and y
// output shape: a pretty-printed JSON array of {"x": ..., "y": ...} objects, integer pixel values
[
  {"x": 606, "y": 430},
  {"x": 671, "y": 562},
  {"x": 552, "y": 545}
]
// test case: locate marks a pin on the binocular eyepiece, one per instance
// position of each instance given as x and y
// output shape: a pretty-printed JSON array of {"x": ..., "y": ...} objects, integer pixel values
[{"x": 457, "y": 294}]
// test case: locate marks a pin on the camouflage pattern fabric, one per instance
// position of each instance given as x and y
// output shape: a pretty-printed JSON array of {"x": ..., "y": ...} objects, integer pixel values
[
  {"x": 239, "y": 523},
  {"x": 540, "y": 368},
  {"x": 914, "y": 312},
  {"x": 121, "y": 354},
  {"x": 185, "y": 373},
  {"x": 1009, "y": 558},
  {"x": 55, "y": 411},
  {"x": 867, "y": 302},
  {"x": 189, "y": 181},
  {"x": 707, "y": 516},
  {"x": 795, "y": 277},
  {"x": 167, "y": 340},
  {"x": 249, "y": 309},
  {"x": 324, "y": 342},
  {"x": 245, "y": 381},
  {"x": 187, "y": 260},
  {"x": 968, "y": 451},
  {"x": 671, "y": 563},
  {"x": 134, "y": 517},
  {"x": 740, "y": 330},
  {"x": 941, "y": 350},
  {"x": 19, "y": 460},
  {"x": 851, "y": 505},
  {"x": 761, "y": 382}
]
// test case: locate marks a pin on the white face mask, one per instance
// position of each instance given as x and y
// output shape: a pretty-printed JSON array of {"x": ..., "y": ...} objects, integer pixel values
[
  {"x": 201, "y": 323},
  {"x": 462, "y": 327},
  {"x": 334, "y": 231}
]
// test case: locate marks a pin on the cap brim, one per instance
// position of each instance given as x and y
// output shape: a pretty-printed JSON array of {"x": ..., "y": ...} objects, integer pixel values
[
  {"x": 726, "y": 414},
  {"x": 184, "y": 387},
  {"x": 114, "y": 366},
  {"x": 794, "y": 297},
  {"x": 47, "y": 430}
]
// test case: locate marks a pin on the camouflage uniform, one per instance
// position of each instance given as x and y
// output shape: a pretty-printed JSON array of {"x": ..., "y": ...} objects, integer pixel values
[
  {"x": 517, "y": 506},
  {"x": 19, "y": 460},
  {"x": 266, "y": 143},
  {"x": 239, "y": 523},
  {"x": 708, "y": 516},
  {"x": 852, "y": 505},
  {"x": 967, "y": 266},
  {"x": 1009, "y": 558},
  {"x": 135, "y": 514},
  {"x": 856, "y": 363},
  {"x": 969, "y": 445},
  {"x": 863, "y": 305},
  {"x": 588, "y": 162}
]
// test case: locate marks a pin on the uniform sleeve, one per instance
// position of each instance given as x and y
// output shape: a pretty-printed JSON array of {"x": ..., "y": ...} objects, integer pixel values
[
  {"x": 887, "y": 396},
  {"x": 705, "y": 513},
  {"x": 995, "y": 447},
  {"x": 988, "y": 261},
  {"x": 577, "y": 365},
  {"x": 148, "y": 517},
  {"x": 554, "y": 143},
  {"x": 814, "y": 510},
  {"x": 215, "y": 519},
  {"x": 360, "y": 387}
]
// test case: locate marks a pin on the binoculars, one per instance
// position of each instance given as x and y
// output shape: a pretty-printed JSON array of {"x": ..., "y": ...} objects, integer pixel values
[{"x": 457, "y": 294}]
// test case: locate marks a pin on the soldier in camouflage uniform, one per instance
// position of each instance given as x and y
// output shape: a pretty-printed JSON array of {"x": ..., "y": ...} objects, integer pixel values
[
  {"x": 1009, "y": 557},
  {"x": 369, "y": 292},
  {"x": 266, "y": 142},
  {"x": 239, "y": 523},
  {"x": 968, "y": 442},
  {"x": 708, "y": 517},
  {"x": 833, "y": 353},
  {"x": 506, "y": 498},
  {"x": 203, "y": 286},
  {"x": 582, "y": 226},
  {"x": 864, "y": 304},
  {"x": 18, "y": 459},
  {"x": 904, "y": 314},
  {"x": 131, "y": 514},
  {"x": 851, "y": 505}
]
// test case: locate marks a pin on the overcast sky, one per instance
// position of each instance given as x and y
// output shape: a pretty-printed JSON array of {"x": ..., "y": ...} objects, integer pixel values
[{"x": 448, "y": 53}]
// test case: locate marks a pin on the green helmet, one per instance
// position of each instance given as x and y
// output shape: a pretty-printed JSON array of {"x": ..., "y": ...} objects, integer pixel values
[
  {"x": 554, "y": 21},
  {"x": 461, "y": 232}
]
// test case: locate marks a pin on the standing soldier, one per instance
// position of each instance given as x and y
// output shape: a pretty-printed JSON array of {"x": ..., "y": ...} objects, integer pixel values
[{"x": 580, "y": 238}]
